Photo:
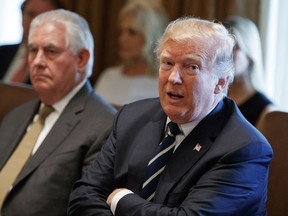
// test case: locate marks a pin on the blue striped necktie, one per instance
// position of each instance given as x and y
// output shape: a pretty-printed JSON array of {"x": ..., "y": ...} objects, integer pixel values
[{"x": 159, "y": 161}]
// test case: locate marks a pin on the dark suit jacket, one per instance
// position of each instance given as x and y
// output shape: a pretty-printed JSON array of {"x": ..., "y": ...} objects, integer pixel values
[
  {"x": 43, "y": 186},
  {"x": 7, "y": 53},
  {"x": 228, "y": 176}
]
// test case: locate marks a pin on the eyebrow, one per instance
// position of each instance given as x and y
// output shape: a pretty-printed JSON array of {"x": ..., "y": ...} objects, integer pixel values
[
  {"x": 49, "y": 45},
  {"x": 188, "y": 57}
]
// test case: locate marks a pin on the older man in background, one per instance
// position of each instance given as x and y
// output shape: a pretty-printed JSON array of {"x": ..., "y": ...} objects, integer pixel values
[{"x": 46, "y": 144}]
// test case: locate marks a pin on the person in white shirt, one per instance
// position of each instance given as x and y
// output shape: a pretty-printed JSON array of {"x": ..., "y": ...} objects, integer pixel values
[{"x": 141, "y": 23}]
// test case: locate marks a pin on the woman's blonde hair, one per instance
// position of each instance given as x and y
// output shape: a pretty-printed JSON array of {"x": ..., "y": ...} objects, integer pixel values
[
  {"x": 249, "y": 41},
  {"x": 150, "y": 20}
]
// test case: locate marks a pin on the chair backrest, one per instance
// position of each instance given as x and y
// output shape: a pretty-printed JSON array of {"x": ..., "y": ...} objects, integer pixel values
[
  {"x": 12, "y": 95},
  {"x": 275, "y": 129}
]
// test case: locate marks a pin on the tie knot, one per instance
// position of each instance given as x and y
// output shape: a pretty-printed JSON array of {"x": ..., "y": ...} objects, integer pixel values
[
  {"x": 45, "y": 111},
  {"x": 173, "y": 128}
]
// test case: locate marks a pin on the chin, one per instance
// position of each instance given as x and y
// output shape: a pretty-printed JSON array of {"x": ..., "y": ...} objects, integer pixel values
[
  {"x": 41, "y": 86},
  {"x": 177, "y": 114},
  {"x": 174, "y": 112}
]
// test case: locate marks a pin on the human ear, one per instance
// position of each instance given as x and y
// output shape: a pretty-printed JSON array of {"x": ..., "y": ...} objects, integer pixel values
[
  {"x": 82, "y": 60},
  {"x": 220, "y": 86}
]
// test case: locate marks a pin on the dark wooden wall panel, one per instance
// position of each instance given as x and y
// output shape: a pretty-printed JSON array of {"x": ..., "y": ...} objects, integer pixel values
[{"x": 102, "y": 16}]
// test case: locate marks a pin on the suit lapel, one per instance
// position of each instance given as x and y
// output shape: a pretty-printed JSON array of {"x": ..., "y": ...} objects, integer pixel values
[
  {"x": 63, "y": 127},
  {"x": 144, "y": 149},
  {"x": 193, "y": 147}
]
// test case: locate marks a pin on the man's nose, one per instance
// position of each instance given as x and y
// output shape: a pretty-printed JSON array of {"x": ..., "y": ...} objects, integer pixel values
[
  {"x": 39, "y": 57},
  {"x": 175, "y": 76}
]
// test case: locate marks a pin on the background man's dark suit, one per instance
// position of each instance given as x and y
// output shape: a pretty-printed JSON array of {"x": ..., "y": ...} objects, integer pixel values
[
  {"x": 47, "y": 178},
  {"x": 193, "y": 181},
  {"x": 7, "y": 53}
]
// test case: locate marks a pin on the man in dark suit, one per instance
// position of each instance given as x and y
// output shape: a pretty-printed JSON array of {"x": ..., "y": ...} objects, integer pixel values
[
  {"x": 13, "y": 56},
  {"x": 220, "y": 162},
  {"x": 61, "y": 60}
]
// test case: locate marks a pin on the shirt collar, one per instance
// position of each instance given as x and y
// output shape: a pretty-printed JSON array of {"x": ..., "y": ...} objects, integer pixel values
[
  {"x": 188, "y": 127},
  {"x": 60, "y": 105}
]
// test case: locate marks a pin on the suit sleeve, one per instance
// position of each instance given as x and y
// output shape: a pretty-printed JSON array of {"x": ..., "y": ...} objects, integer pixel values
[
  {"x": 91, "y": 191},
  {"x": 95, "y": 148}
]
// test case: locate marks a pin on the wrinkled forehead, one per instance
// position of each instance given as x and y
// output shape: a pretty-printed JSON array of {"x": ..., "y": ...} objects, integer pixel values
[
  {"x": 48, "y": 30},
  {"x": 196, "y": 49}
]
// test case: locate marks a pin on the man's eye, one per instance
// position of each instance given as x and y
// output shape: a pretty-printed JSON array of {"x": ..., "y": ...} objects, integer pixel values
[
  {"x": 32, "y": 50},
  {"x": 165, "y": 65},
  {"x": 194, "y": 67},
  {"x": 167, "y": 62},
  {"x": 51, "y": 51}
]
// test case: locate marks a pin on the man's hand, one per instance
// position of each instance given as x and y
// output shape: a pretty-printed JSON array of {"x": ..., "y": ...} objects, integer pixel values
[{"x": 110, "y": 197}]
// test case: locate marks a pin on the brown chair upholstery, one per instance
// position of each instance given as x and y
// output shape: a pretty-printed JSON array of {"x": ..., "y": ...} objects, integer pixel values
[
  {"x": 275, "y": 129},
  {"x": 12, "y": 95}
]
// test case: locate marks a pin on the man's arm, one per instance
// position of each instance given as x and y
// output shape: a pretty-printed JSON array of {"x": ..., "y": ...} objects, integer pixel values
[
  {"x": 91, "y": 191},
  {"x": 235, "y": 185}
]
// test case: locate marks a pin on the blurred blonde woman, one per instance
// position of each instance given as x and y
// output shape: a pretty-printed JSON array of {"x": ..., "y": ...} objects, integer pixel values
[
  {"x": 246, "y": 90},
  {"x": 141, "y": 24}
]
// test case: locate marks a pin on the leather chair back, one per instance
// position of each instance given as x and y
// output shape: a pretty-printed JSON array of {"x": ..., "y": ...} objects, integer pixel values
[
  {"x": 275, "y": 129},
  {"x": 12, "y": 95}
]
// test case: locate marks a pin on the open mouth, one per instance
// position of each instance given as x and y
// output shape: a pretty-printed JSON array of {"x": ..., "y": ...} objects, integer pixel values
[{"x": 175, "y": 95}]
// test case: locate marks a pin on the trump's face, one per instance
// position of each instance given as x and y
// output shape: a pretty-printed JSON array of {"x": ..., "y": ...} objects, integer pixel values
[{"x": 187, "y": 84}]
